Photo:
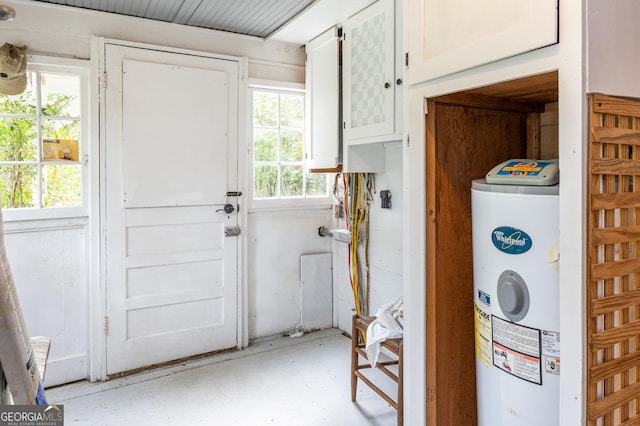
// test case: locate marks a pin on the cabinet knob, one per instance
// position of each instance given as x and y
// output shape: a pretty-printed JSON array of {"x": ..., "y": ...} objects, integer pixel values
[
  {"x": 399, "y": 81},
  {"x": 387, "y": 85}
]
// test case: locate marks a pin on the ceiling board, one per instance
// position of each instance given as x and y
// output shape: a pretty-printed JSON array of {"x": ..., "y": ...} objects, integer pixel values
[{"x": 250, "y": 17}]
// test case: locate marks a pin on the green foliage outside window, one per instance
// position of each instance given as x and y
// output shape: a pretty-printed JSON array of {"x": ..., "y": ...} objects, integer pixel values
[
  {"x": 22, "y": 130},
  {"x": 278, "y": 148}
]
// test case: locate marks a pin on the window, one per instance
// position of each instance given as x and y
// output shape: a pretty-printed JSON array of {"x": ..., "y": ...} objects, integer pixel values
[
  {"x": 41, "y": 148},
  {"x": 279, "y": 173}
]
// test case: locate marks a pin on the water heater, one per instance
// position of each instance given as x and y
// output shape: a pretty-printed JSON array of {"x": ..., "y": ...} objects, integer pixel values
[{"x": 515, "y": 219}]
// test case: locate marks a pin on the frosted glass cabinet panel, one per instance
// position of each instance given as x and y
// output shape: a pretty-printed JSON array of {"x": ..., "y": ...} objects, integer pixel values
[
  {"x": 369, "y": 80},
  {"x": 453, "y": 35}
]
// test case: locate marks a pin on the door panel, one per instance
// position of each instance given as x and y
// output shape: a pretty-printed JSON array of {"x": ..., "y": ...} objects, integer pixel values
[
  {"x": 178, "y": 111},
  {"x": 170, "y": 159}
]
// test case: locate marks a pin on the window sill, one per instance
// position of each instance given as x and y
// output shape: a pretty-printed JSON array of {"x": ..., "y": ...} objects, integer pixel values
[
  {"x": 288, "y": 208},
  {"x": 17, "y": 215},
  {"x": 21, "y": 226}
]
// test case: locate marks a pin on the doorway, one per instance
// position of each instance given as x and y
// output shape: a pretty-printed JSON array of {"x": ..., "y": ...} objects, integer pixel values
[
  {"x": 171, "y": 253},
  {"x": 468, "y": 133}
]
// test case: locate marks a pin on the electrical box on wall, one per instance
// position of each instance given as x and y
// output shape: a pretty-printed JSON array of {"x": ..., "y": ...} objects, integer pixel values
[{"x": 385, "y": 199}]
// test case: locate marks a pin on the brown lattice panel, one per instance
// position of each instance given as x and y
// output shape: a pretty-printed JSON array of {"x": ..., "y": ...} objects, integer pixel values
[{"x": 613, "y": 251}]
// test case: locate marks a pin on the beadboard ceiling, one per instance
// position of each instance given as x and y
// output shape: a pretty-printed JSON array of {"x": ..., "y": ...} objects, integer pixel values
[{"x": 260, "y": 18}]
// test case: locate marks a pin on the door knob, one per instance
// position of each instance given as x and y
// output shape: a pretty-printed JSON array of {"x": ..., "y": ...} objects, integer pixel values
[{"x": 228, "y": 208}]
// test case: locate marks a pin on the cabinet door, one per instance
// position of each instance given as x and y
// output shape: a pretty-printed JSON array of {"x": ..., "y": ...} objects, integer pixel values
[
  {"x": 453, "y": 35},
  {"x": 368, "y": 73},
  {"x": 323, "y": 101}
]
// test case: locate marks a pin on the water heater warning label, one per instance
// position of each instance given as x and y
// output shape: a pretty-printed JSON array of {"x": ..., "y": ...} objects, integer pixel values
[
  {"x": 516, "y": 350},
  {"x": 483, "y": 334}
]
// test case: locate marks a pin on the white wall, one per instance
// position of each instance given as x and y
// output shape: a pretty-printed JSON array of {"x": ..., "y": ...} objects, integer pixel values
[
  {"x": 54, "y": 265},
  {"x": 385, "y": 234},
  {"x": 613, "y": 57},
  {"x": 385, "y": 246},
  {"x": 48, "y": 265},
  {"x": 276, "y": 240}
]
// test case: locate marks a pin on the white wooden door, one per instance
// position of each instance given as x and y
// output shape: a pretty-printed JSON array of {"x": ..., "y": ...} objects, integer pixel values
[{"x": 171, "y": 155}]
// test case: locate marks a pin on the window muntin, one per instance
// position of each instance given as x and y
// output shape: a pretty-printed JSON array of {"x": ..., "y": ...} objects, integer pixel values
[
  {"x": 278, "y": 170},
  {"x": 41, "y": 145}
]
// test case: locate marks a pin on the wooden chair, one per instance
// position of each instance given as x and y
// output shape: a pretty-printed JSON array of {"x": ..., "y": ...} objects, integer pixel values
[{"x": 394, "y": 346}]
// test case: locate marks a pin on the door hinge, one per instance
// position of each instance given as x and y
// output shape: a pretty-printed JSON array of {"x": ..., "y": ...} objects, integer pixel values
[
  {"x": 231, "y": 231},
  {"x": 106, "y": 325},
  {"x": 104, "y": 79},
  {"x": 408, "y": 140},
  {"x": 406, "y": 59}
]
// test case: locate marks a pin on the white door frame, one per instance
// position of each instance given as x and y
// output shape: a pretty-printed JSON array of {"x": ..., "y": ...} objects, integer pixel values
[{"x": 97, "y": 289}]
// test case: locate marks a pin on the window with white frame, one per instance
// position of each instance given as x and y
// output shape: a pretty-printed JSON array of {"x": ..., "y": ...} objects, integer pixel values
[
  {"x": 41, "y": 143},
  {"x": 279, "y": 173}
]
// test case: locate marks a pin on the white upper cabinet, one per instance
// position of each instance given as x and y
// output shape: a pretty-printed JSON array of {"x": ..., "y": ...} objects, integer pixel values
[
  {"x": 323, "y": 101},
  {"x": 371, "y": 76},
  {"x": 453, "y": 35}
]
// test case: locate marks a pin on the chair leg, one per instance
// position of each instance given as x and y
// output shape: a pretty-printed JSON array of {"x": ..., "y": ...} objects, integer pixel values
[
  {"x": 354, "y": 358},
  {"x": 400, "y": 387}
]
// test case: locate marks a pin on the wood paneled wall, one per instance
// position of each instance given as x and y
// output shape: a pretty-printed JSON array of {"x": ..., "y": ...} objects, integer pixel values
[{"x": 466, "y": 137}]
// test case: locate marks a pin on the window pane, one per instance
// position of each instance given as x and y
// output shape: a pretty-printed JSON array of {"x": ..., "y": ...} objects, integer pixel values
[
  {"x": 61, "y": 186},
  {"x": 60, "y": 140},
  {"x": 265, "y": 109},
  {"x": 18, "y": 139},
  {"x": 60, "y": 95},
  {"x": 265, "y": 181},
  {"x": 292, "y": 111},
  {"x": 265, "y": 145},
  {"x": 292, "y": 181},
  {"x": 316, "y": 184},
  {"x": 292, "y": 145},
  {"x": 60, "y": 129},
  {"x": 60, "y": 150},
  {"x": 18, "y": 186},
  {"x": 24, "y": 103}
]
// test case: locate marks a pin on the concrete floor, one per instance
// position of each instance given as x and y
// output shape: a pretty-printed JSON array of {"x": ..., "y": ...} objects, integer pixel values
[{"x": 278, "y": 381}]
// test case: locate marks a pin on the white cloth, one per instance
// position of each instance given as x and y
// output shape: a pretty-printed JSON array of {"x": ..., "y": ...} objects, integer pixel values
[{"x": 387, "y": 325}]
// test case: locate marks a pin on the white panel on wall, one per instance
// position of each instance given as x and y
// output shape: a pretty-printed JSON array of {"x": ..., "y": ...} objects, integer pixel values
[
  {"x": 385, "y": 234},
  {"x": 454, "y": 35},
  {"x": 277, "y": 239},
  {"x": 49, "y": 270},
  {"x": 613, "y": 58},
  {"x": 316, "y": 298},
  {"x": 344, "y": 306}
]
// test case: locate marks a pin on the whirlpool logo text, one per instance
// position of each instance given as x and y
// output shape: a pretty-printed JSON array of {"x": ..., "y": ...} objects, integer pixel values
[{"x": 511, "y": 240}]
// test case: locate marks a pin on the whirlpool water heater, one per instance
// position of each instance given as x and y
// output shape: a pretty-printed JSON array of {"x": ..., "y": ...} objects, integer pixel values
[{"x": 515, "y": 218}]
